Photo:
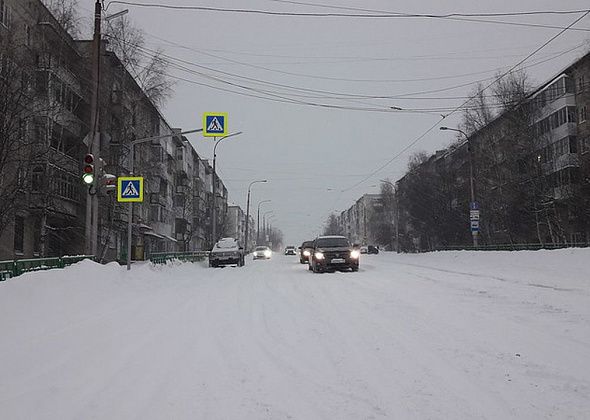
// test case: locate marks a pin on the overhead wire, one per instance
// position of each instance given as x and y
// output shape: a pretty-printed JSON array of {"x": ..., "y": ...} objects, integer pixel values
[
  {"x": 420, "y": 137},
  {"x": 467, "y": 17}
]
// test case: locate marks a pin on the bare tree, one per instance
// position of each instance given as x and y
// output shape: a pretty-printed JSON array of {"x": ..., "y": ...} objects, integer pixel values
[
  {"x": 20, "y": 149},
  {"x": 332, "y": 227},
  {"x": 66, "y": 13},
  {"x": 149, "y": 68},
  {"x": 477, "y": 112}
]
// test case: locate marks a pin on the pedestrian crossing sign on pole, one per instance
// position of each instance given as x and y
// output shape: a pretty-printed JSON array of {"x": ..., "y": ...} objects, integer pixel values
[
  {"x": 215, "y": 124},
  {"x": 130, "y": 189}
]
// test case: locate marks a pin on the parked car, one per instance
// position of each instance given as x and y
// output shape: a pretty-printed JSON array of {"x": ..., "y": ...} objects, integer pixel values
[
  {"x": 226, "y": 251},
  {"x": 364, "y": 249},
  {"x": 305, "y": 251},
  {"x": 333, "y": 253},
  {"x": 372, "y": 249},
  {"x": 262, "y": 252},
  {"x": 290, "y": 250}
]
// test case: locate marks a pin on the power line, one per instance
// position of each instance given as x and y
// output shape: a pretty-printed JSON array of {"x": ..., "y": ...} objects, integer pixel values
[
  {"x": 464, "y": 103},
  {"x": 467, "y": 17}
]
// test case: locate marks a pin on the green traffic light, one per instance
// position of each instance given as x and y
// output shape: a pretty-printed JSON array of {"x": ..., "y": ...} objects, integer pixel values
[{"x": 88, "y": 178}]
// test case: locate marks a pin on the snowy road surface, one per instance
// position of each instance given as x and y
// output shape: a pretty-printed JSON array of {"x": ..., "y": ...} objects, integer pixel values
[{"x": 452, "y": 335}]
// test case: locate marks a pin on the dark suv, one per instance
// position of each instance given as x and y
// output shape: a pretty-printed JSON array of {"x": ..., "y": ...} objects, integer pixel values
[
  {"x": 305, "y": 251},
  {"x": 333, "y": 253}
]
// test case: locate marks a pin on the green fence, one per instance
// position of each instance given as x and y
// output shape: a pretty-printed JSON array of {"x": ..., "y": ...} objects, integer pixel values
[
  {"x": 13, "y": 268},
  {"x": 163, "y": 257}
]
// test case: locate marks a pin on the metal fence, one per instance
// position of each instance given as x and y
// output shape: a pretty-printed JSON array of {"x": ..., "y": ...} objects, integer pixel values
[
  {"x": 163, "y": 257},
  {"x": 512, "y": 247},
  {"x": 13, "y": 268}
]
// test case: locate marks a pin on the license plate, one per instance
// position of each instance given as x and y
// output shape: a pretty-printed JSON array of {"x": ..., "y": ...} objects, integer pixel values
[{"x": 338, "y": 260}]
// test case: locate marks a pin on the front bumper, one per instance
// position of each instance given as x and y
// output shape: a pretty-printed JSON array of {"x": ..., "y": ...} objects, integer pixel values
[
  {"x": 329, "y": 263},
  {"x": 224, "y": 259}
]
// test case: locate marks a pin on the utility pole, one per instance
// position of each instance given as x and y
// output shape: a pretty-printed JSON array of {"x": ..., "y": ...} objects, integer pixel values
[
  {"x": 473, "y": 205},
  {"x": 248, "y": 212},
  {"x": 91, "y": 227}
]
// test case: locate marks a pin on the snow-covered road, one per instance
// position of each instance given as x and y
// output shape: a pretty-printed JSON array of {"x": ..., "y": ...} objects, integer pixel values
[{"x": 454, "y": 335}]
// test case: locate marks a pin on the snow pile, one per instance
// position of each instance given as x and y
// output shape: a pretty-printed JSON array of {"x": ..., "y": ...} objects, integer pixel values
[{"x": 458, "y": 335}]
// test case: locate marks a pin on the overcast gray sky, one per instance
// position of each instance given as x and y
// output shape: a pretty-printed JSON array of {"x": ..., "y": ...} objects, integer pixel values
[{"x": 313, "y": 155}]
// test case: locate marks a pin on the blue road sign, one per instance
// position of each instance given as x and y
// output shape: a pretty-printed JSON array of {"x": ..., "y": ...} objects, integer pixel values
[
  {"x": 474, "y": 226},
  {"x": 215, "y": 124},
  {"x": 130, "y": 189},
  {"x": 474, "y": 205}
]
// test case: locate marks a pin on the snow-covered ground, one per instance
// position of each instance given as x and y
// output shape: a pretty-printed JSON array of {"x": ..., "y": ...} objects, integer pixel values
[{"x": 450, "y": 335}]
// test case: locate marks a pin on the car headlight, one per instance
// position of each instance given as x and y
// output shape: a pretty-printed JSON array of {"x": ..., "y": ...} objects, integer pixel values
[
  {"x": 319, "y": 255},
  {"x": 355, "y": 254},
  {"x": 267, "y": 253},
  {"x": 306, "y": 253}
]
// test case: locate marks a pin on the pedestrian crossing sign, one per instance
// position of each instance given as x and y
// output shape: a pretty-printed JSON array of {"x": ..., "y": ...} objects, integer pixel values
[
  {"x": 130, "y": 189},
  {"x": 215, "y": 124}
]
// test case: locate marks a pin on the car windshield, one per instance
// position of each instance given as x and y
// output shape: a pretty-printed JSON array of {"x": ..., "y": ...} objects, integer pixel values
[
  {"x": 260, "y": 248},
  {"x": 227, "y": 244},
  {"x": 308, "y": 244},
  {"x": 332, "y": 242}
]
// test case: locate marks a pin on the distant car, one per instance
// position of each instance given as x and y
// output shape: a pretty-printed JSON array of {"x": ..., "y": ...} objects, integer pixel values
[
  {"x": 262, "y": 252},
  {"x": 305, "y": 251},
  {"x": 372, "y": 249},
  {"x": 226, "y": 252},
  {"x": 290, "y": 250},
  {"x": 364, "y": 249},
  {"x": 333, "y": 253}
]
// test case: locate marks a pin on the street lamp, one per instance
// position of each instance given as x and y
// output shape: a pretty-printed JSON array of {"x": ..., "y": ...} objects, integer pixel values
[
  {"x": 131, "y": 168},
  {"x": 248, "y": 212},
  {"x": 396, "y": 213},
  {"x": 264, "y": 222},
  {"x": 214, "y": 210},
  {"x": 473, "y": 205},
  {"x": 258, "y": 220}
]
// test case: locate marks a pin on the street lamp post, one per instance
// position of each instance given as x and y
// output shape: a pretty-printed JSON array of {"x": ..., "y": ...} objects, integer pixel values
[
  {"x": 397, "y": 247},
  {"x": 214, "y": 209},
  {"x": 264, "y": 223},
  {"x": 131, "y": 169},
  {"x": 248, "y": 212},
  {"x": 474, "y": 233},
  {"x": 258, "y": 221}
]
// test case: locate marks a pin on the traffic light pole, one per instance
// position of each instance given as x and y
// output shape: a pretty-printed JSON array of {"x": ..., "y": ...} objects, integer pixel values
[{"x": 91, "y": 227}]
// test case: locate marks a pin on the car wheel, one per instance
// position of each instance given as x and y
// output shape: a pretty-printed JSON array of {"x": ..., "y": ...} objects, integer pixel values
[{"x": 354, "y": 269}]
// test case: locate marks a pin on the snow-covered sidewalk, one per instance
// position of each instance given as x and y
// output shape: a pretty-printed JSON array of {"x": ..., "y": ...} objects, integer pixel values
[{"x": 459, "y": 335}]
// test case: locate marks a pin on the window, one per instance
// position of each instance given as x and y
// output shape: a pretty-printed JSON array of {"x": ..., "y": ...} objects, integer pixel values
[
  {"x": 37, "y": 179},
  {"x": 179, "y": 153},
  {"x": 583, "y": 113},
  {"x": 584, "y": 145},
  {"x": 573, "y": 144},
  {"x": 19, "y": 234},
  {"x": 5, "y": 14}
]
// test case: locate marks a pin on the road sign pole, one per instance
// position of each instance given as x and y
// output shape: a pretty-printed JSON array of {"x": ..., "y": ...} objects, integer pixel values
[{"x": 130, "y": 209}]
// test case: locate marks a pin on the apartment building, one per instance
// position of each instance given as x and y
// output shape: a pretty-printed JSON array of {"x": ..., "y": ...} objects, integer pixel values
[
  {"x": 531, "y": 175},
  {"x": 48, "y": 218},
  {"x": 53, "y": 116}
]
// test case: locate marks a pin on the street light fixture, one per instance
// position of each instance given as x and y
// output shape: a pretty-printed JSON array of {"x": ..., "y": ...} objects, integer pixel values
[
  {"x": 248, "y": 212},
  {"x": 214, "y": 201},
  {"x": 473, "y": 205},
  {"x": 258, "y": 220}
]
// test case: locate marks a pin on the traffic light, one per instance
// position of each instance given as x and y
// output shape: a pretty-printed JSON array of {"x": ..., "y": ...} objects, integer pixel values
[{"x": 88, "y": 172}]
